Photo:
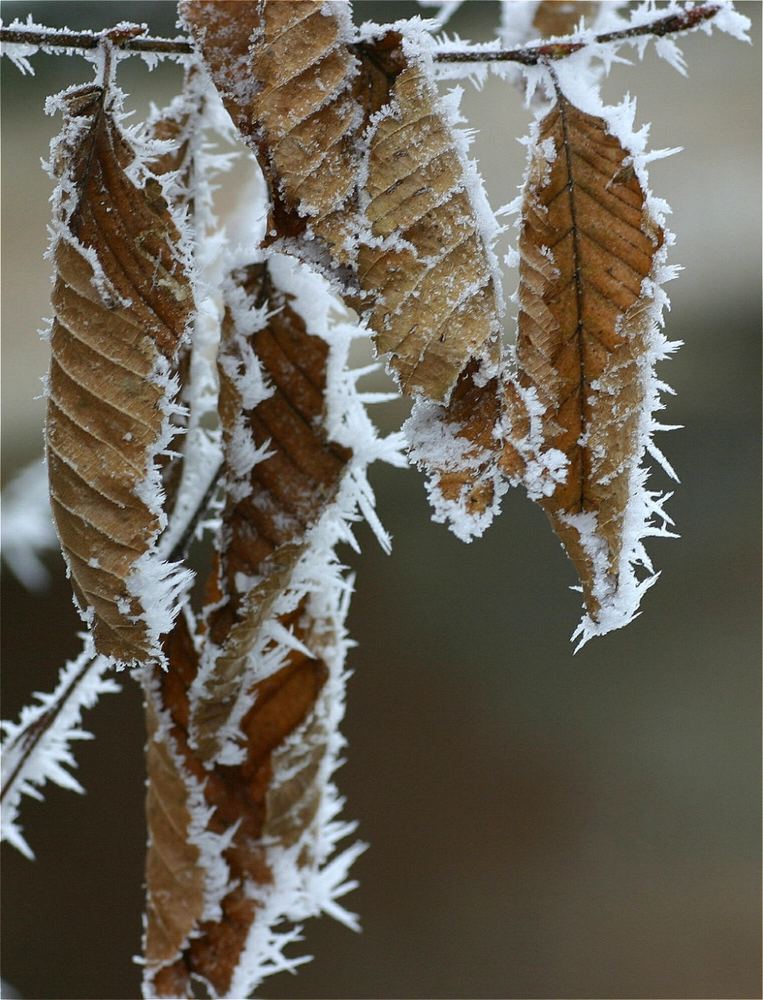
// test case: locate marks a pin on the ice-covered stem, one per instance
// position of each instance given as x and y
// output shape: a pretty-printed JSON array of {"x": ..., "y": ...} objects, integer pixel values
[
  {"x": 133, "y": 42},
  {"x": 129, "y": 38},
  {"x": 36, "y": 748},
  {"x": 531, "y": 55}
]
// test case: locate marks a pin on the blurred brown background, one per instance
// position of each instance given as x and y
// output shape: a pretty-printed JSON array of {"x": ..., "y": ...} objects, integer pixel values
[{"x": 540, "y": 826}]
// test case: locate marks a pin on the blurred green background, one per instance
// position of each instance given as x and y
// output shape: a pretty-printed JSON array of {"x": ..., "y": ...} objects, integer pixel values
[{"x": 540, "y": 825}]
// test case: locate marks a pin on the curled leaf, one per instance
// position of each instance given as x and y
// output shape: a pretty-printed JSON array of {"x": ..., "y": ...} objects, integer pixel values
[
  {"x": 122, "y": 301},
  {"x": 282, "y": 470},
  {"x": 251, "y": 715}
]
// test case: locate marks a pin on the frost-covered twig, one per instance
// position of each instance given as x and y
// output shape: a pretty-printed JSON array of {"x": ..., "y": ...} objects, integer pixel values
[
  {"x": 50, "y": 39},
  {"x": 36, "y": 748},
  {"x": 132, "y": 38},
  {"x": 682, "y": 20}
]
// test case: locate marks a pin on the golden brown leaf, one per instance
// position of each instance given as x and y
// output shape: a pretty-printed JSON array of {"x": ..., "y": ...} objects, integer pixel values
[
  {"x": 273, "y": 795},
  {"x": 266, "y": 810},
  {"x": 586, "y": 245},
  {"x": 425, "y": 266},
  {"x": 122, "y": 301},
  {"x": 432, "y": 300},
  {"x": 298, "y": 107}
]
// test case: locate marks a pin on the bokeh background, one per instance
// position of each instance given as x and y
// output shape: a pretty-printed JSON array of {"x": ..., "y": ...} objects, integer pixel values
[{"x": 540, "y": 825}]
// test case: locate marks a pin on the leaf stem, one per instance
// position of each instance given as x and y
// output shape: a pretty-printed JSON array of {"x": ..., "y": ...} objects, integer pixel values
[
  {"x": 29, "y": 737},
  {"x": 129, "y": 41}
]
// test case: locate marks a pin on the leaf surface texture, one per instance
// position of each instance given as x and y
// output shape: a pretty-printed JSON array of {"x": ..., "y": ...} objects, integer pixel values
[
  {"x": 122, "y": 300},
  {"x": 586, "y": 246}
]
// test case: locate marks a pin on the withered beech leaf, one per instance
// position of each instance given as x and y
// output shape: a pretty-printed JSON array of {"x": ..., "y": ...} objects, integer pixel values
[
  {"x": 292, "y": 85},
  {"x": 174, "y": 870},
  {"x": 431, "y": 299},
  {"x": 586, "y": 245},
  {"x": 423, "y": 263},
  {"x": 122, "y": 301},
  {"x": 252, "y": 811},
  {"x": 561, "y": 17},
  {"x": 269, "y": 510}
]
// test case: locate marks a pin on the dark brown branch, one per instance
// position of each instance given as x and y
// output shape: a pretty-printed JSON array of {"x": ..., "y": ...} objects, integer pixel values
[
  {"x": 124, "y": 39},
  {"x": 531, "y": 55}
]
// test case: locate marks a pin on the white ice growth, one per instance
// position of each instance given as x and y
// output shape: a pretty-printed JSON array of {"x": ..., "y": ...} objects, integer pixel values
[
  {"x": 50, "y": 43},
  {"x": 36, "y": 749},
  {"x": 443, "y": 9},
  {"x": 435, "y": 445},
  {"x": 27, "y": 525},
  {"x": 596, "y": 59}
]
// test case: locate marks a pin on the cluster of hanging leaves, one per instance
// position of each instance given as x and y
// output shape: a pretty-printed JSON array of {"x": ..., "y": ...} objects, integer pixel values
[{"x": 370, "y": 189}]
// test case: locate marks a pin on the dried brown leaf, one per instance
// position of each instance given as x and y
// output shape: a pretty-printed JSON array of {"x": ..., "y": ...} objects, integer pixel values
[
  {"x": 265, "y": 530},
  {"x": 294, "y": 87},
  {"x": 433, "y": 299},
  {"x": 270, "y": 799},
  {"x": 122, "y": 301},
  {"x": 586, "y": 245}
]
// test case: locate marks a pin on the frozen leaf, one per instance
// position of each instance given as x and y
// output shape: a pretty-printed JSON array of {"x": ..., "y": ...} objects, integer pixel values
[
  {"x": 122, "y": 302},
  {"x": 426, "y": 269},
  {"x": 282, "y": 471},
  {"x": 174, "y": 868},
  {"x": 587, "y": 245},
  {"x": 424, "y": 264},
  {"x": 256, "y": 742},
  {"x": 291, "y": 82},
  {"x": 214, "y": 833}
]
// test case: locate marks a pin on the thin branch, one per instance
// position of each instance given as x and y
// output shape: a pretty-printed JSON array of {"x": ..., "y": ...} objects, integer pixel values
[
  {"x": 531, "y": 55},
  {"x": 50, "y": 38},
  {"x": 129, "y": 41},
  {"x": 29, "y": 737}
]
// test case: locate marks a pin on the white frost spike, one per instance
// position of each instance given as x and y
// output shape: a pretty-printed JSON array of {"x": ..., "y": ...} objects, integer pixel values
[
  {"x": 27, "y": 525},
  {"x": 36, "y": 748}
]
